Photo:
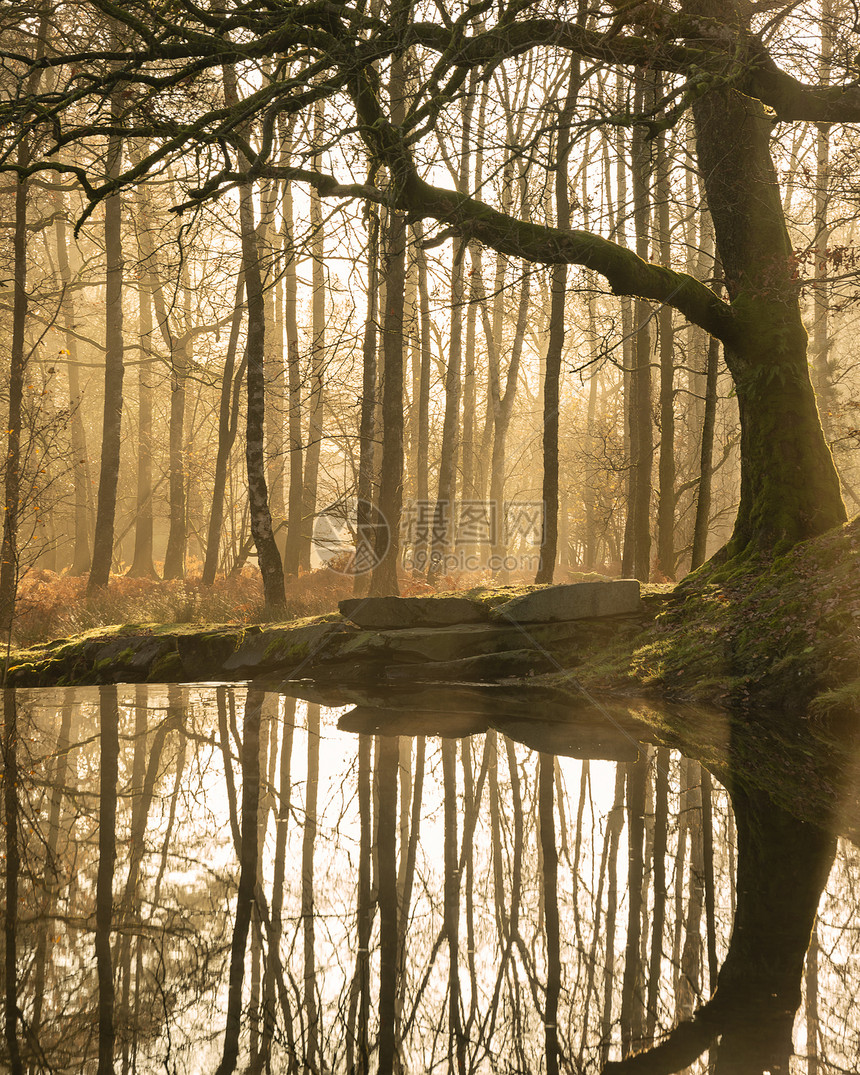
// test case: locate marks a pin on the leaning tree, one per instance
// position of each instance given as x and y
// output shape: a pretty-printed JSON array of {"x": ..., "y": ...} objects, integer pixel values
[{"x": 168, "y": 72}]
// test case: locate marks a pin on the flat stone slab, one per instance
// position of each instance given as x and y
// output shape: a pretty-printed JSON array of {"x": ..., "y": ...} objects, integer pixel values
[
  {"x": 391, "y": 613},
  {"x": 576, "y": 601}
]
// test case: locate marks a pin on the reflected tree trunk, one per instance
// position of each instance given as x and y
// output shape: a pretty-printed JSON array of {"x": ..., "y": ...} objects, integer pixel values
[
  {"x": 108, "y": 775},
  {"x": 52, "y": 866},
  {"x": 549, "y": 858},
  {"x": 313, "y": 1057},
  {"x": 658, "y": 914},
  {"x": 145, "y": 771},
  {"x": 708, "y": 871},
  {"x": 632, "y": 1026},
  {"x": 812, "y": 1021},
  {"x": 388, "y": 759},
  {"x": 691, "y": 953},
  {"x": 616, "y": 824},
  {"x": 282, "y": 818},
  {"x": 250, "y": 765},
  {"x": 758, "y": 992},
  {"x": 358, "y": 1041},
  {"x": 409, "y": 865},
  {"x": 456, "y": 1041},
  {"x": 11, "y": 877}
]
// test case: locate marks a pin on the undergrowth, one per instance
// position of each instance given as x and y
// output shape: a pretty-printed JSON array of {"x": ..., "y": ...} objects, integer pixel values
[{"x": 52, "y": 606}]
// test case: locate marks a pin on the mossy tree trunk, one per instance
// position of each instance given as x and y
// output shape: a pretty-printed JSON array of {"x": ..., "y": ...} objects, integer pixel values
[{"x": 789, "y": 486}]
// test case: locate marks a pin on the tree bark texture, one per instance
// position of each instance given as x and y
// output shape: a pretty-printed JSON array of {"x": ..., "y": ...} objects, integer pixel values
[{"x": 103, "y": 538}]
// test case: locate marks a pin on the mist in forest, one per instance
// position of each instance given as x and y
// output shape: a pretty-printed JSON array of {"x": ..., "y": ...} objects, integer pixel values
[{"x": 199, "y": 360}]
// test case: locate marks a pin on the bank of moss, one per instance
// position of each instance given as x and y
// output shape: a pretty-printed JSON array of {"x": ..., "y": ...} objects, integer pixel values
[{"x": 780, "y": 632}]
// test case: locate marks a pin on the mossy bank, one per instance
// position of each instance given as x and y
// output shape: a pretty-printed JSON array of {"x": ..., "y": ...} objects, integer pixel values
[{"x": 780, "y": 633}]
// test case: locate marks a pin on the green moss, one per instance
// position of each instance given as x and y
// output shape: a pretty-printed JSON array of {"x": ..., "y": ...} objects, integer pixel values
[
  {"x": 754, "y": 631},
  {"x": 167, "y": 667},
  {"x": 838, "y": 702}
]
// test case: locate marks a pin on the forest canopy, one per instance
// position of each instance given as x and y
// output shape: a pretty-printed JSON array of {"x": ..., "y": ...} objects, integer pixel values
[{"x": 595, "y": 257}]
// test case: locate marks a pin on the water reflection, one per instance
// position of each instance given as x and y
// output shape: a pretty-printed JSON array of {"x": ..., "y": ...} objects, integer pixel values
[{"x": 218, "y": 879}]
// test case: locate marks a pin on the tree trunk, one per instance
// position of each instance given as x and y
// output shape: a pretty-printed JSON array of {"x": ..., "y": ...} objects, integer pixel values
[
  {"x": 502, "y": 412},
  {"x": 552, "y": 376},
  {"x": 80, "y": 463},
  {"x": 666, "y": 466},
  {"x": 820, "y": 309},
  {"x": 422, "y": 451},
  {"x": 227, "y": 426},
  {"x": 316, "y": 400},
  {"x": 444, "y": 514},
  {"x": 364, "y": 536},
  {"x": 639, "y": 401},
  {"x": 387, "y": 547},
  {"x": 268, "y": 556},
  {"x": 174, "y": 557},
  {"x": 789, "y": 486},
  {"x": 18, "y": 361},
  {"x": 114, "y": 369},
  {"x": 706, "y": 459},
  {"x": 274, "y": 364},
  {"x": 142, "y": 565},
  {"x": 293, "y": 550}
]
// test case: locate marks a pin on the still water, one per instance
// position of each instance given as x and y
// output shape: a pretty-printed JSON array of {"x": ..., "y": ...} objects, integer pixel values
[{"x": 216, "y": 878}]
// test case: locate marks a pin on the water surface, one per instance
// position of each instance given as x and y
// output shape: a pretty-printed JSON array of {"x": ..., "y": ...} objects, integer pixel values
[{"x": 214, "y": 878}]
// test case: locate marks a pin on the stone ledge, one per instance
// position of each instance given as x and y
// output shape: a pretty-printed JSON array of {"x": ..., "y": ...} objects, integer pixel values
[{"x": 545, "y": 604}]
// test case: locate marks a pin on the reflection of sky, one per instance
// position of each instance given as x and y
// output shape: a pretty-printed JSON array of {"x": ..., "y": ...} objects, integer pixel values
[{"x": 185, "y": 901}]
